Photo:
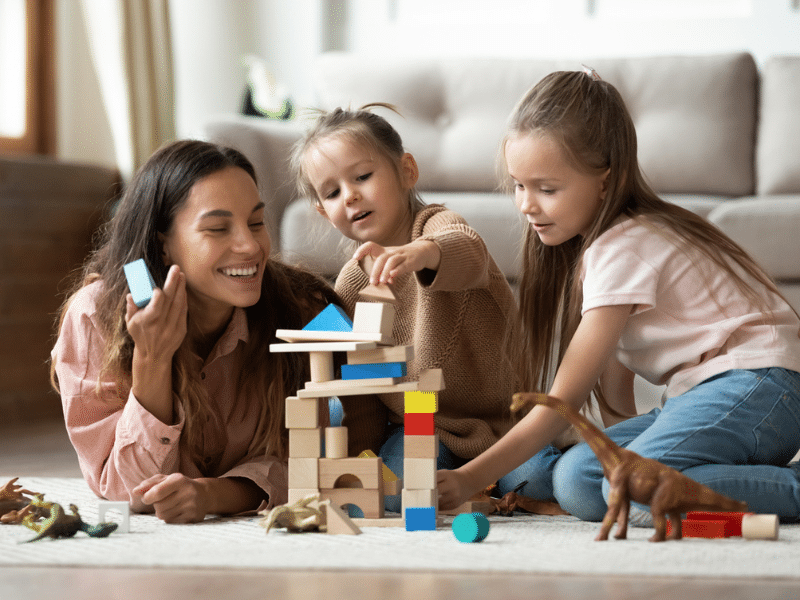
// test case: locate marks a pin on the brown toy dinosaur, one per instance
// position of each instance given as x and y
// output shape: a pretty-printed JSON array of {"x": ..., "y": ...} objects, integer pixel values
[
  {"x": 15, "y": 502},
  {"x": 633, "y": 477}
]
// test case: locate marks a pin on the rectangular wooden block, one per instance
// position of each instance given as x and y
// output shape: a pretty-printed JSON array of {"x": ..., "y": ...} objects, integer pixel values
[
  {"x": 369, "y": 501},
  {"x": 351, "y": 383},
  {"x": 305, "y": 443},
  {"x": 470, "y": 506},
  {"x": 421, "y": 446},
  {"x": 300, "y": 335},
  {"x": 303, "y": 473},
  {"x": 302, "y": 413},
  {"x": 373, "y": 370},
  {"x": 334, "y": 388},
  {"x": 420, "y": 519},
  {"x": 419, "y": 424},
  {"x": 140, "y": 282},
  {"x": 379, "y": 355},
  {"x": 419, "y": 473},
  {"x": 431, "y": 380},
  {"x": 354, "y": 347},
  {"x": 295, "y": 495},
  {"x": 421, "y": 402},
  {"x": 374, "y": 317},
  {"x": 419, "y": 499},
  {"x": 384, "y": 522},
  {"x": 366, "y": 470}
]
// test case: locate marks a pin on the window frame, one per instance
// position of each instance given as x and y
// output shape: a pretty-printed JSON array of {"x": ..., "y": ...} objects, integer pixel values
[{"x": 40, "y": 105}]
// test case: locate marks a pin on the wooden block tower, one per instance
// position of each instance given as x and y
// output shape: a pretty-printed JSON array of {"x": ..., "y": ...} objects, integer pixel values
[{"x": 374, "y": 365}]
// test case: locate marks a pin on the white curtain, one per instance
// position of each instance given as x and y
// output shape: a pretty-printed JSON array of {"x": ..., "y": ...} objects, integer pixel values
[{"x": 132, "y": 53}]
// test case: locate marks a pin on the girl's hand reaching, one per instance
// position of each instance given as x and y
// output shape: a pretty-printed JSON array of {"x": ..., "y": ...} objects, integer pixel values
[
  {"x": 453, "y": 488},
  {"x": 391, "y": 262}
]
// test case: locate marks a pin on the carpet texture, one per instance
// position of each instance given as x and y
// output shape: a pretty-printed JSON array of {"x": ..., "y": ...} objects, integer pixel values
[{"x": 531, "y": 544}]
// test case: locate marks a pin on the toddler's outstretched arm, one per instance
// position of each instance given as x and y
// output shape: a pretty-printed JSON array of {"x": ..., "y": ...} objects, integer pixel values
[{"x": 390, "y": 262}]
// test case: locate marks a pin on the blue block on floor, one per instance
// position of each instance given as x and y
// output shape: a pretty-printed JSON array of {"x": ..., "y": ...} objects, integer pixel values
[
  {"x": 140, "y": 282},
  {"x": 332, "y": 318},
  {"x": 373, "y": 370},
  {"x": 421, "y": 519}
]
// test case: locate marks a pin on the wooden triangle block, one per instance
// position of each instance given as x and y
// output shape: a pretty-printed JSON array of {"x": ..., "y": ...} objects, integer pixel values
[
  {"x": 338, "y": 521},
  {"x": 379, "y": 293},
  {"x": 332, "y": 318}
]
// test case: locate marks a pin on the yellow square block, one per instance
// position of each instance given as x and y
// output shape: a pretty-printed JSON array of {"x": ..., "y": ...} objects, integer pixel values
[{"x": 421, "y": 402}]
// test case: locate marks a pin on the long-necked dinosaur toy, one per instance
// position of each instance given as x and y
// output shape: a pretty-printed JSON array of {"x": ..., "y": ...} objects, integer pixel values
[{"x": 635, "y": 478}]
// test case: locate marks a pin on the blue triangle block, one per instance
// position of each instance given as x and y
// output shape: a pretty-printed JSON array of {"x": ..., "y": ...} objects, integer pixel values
[{"x": 332, "y": 318}]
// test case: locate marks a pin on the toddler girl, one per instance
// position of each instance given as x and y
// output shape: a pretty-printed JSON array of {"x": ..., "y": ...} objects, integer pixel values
[{"x": 453, "y": 303}]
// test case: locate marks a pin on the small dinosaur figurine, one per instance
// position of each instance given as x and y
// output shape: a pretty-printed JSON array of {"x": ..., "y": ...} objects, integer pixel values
[
  {"x": 15, "y": 502},
  {"x": 58, "y": 524},
  {"x": 635, "y": 478},
  {"x": 304, "y": 515}
]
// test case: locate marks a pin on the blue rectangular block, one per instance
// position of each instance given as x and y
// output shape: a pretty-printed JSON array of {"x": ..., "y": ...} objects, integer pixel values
[
  {"x": 373, "y": 370},
  {"x": 421, "y": 519},
  {"x": 140, "y": 282}
]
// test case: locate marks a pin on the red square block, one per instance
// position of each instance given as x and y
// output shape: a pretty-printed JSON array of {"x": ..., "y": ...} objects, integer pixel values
[{"x": 419, "y": 423}]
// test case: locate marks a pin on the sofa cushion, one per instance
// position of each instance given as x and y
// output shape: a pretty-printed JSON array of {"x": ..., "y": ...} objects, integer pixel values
[
  {"x": 778, "y": 149},
  {"x": 695, "y": 116},
  {"x": 768, "y": 227}
]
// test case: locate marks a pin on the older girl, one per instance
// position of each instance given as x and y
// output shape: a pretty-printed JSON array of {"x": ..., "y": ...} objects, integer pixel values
[{"x": 641, "y": 286}]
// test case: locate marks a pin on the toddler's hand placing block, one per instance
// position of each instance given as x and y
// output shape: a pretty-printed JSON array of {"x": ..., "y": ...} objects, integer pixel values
[{"x": 140, "y": 282}]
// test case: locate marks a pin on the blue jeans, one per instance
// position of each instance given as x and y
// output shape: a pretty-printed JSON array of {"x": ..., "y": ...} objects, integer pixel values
[{"x": 735, "y": 432}]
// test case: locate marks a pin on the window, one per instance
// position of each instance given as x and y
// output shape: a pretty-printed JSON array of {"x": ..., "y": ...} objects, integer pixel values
[{"x": 27, "y": 104}]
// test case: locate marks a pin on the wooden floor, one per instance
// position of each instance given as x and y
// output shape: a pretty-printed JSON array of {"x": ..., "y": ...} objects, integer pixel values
[{"x": 44, "y": 450}]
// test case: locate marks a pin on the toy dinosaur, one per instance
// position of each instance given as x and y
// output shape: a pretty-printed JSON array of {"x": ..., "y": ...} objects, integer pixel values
[
  {"x": 58, "y": 524},
  {"x": 304, "y": 515},
  {"x": 15, "y": 502},
  {"x": 635, "y": 478}
]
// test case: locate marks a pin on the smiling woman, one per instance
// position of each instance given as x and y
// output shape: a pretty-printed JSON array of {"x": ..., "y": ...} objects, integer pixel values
[{"x": 178, "y": 407}]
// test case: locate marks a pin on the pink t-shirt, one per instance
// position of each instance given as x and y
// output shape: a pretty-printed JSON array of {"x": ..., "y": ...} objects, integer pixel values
[
  {"x": 120, "y": 444},
  {"x": 690, "y": 321}
]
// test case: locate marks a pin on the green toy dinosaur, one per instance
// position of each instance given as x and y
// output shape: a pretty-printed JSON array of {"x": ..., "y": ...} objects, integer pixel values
[{"x": 58, "y": 524}]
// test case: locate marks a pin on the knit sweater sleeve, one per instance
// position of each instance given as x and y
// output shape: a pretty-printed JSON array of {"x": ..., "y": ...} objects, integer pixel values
[{"x": 465, "y": 260}]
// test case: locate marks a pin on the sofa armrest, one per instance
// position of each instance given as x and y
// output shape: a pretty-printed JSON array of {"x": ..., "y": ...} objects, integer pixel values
[{"x": 267, "y": 144}]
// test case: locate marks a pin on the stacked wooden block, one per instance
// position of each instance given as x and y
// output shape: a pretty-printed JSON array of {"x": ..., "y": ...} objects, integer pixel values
[
  {"x": 420, "y": 451},
  {"x": 374, "y": 365}
]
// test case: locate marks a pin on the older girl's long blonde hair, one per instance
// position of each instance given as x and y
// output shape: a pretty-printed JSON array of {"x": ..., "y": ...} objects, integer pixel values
[{"x": 589, "y": 119}]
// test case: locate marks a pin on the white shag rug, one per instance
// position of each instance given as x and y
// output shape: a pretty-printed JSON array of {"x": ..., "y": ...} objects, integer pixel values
[{"x": 528, "y": 544}]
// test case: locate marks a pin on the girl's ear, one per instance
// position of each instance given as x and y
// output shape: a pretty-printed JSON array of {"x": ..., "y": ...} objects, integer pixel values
[
  {"x": 321, "y": 211},
  {"x": 604, "y": 184},
  {"x": 409, "y": 169},
  {"x": 162, "y": 241}
]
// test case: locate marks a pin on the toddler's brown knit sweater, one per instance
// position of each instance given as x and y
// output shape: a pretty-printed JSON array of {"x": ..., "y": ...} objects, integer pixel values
[{"x": 457, "y": 319}]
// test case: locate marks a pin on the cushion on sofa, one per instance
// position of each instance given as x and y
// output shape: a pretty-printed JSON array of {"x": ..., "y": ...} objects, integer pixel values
[
  {"x": 695, "y": 116},
  {"x": 767, "y": 227},
  {"x": 778, "y": 148}
]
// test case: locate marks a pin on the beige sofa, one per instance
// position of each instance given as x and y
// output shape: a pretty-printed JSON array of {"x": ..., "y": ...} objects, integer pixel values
[{"x": 716, "y": 134}]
